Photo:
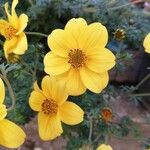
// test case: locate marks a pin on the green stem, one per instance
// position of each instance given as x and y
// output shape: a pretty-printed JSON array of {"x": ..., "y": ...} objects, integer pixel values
[
  {"x": 4, "y": 77},
  {"x": 141, "y": 82},
  {"x": 37, "y": 34},
  {"x": 91, "y": 130},
  {"x": 31, "y": 2},
  {"x": 125, "y": 5},
  {"x": 140, "y": 94}
]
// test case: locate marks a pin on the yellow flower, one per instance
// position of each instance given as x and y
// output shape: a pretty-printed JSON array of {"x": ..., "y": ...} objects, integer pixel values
[
  {"x": 11, "y": 135},
  {"x": 78, "y": 56},
  {"x": 146, "y": 43},
  {"x": 53, "y": 108},
  {"x": 104, "y": 147},
  {"x": 12, "y": 30}
]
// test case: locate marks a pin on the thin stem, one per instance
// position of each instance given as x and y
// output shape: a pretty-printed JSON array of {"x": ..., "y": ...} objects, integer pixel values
[
  {"x": 37, "y": 34},
  {"x": 140, "y": 94},
  {"x": 119, "y": 7},
  {"x": 141, "y": 82},
  {"x": 91, "y": 130},
  {"x": 31, "y": 2},
  {"x": 4, "y": 77}
]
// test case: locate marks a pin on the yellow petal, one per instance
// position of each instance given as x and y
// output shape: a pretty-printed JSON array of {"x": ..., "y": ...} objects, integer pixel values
[
  {"x": 12, "y": 18},
  {"x": 14, "y": 4},
  {"x": 17, "y": 45},
  {"x": 3, "y": 25},
  {"x": 93, "y": 81},
  {"x": 53, "y": 89},
  {"x": 74, "y": 83},
  {"x": 58, "y": 43},
  {"x": 74, "y": 28},
  {"x": 96, "y": 35},
  {"x": 36, "y": 87},
  {"x": 146, "y": 43},
  {"x": 2, "y": 91},
  {"x": 12, "y": 136},
  {"x": 23, "y": 20},
  {"x": 49, "y": 126},
  {"x": 101, "y": 61},
  {"x": 36, "y": 99},
  {"x": 104, "y": 147},
  {"x": 71, "y": 114},
  {"x": 55, "y": 65},
  {"x": 22, "y": 44},
  {"x": 3, "y": 111}
]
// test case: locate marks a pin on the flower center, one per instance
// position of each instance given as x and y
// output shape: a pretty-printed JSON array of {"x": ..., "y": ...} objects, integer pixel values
[
  {"x": 76, "y": 58},
  {"x": 49, "y": 107},
  {"x": 10, "y": 32},
  {"x": 13, "y": 58}
]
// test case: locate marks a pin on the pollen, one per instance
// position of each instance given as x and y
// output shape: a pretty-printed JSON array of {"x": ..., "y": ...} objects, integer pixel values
[
  {"x": 10, "y": 32},
  {"x": 49, "y": 107},
  {"x": 77, "y": 58}
]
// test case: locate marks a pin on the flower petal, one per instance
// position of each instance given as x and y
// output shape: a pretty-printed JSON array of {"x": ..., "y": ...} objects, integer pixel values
[
  {"x": 53, "y": 89},
  {"x": 101, "y": 61},
  {"x": 55, "y": 65},
  {"x": 2, "y": 93},
  {"x": 17, "y": 45},
  {"x": 146, "y": 43},
  {"x": 23, "y": 20},
  {"x": 12, "y": 136},
  {"x": 3, "y": 111},
  {"x": 96, "y": 35},
  {"x": 22, "y": 44},
  {"x": 35, "y": 101},
  {"x": 49, "y": 126},
  {"x": 93, "y": 81},
  {"x": 73, "y": 29},
  {"x": 12, "y": 18},
  {"x": 57, "y": 42},
  {"x": 71, "y": 114},
  {"x": 104, "y": 147}
]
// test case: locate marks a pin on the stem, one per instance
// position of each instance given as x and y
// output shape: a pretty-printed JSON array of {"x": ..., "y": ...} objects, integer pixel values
[
  {"x": 37, "y": 34},
  {"x": 4, "y": 77},
  {"x": 31, "y": 3},
  {"x": 119, "y": 7},
  {"x": 91, "y": 129},
  {"x": 140, "y": 94},
  {"x": 141, "y": 82}
]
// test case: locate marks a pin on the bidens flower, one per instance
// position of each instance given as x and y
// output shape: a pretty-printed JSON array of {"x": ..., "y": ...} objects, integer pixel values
[
  {"x": 53, "y": 108},
  {"x": 104, "y": 147},
  {"x": 11, "y": 135},
  {"x": 12, "y": 30},
  {"x": 78, "y": 56},
  {"x": 146, "y": 43}
]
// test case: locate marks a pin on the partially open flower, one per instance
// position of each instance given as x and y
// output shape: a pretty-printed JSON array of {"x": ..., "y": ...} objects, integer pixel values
[
  {"x": 106, "y": 114},
  {"x": 119, "y": 34},
  {"x": 50, "y": 102},
  {"x": 11, "y": 135},
  {"x": 13, "y": 31}
]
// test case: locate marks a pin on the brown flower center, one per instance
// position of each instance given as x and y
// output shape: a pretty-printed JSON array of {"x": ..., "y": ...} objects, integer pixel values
[
  {"x": 106, "y": 114},
  {"x": 76, "y": 58},
  {"x": 49, "y": 107},
  {"x": 10, "y": 32}
]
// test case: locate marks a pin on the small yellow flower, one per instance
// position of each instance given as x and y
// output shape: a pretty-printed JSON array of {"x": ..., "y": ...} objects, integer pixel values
[
  {"x": 11, "y": 135},
  {"x": 53, "y": 108},
  {"x": 12, "y": 30},
  {"x": 146, "y": 43},
  {"x": 78, "y": 56},
  {"x": 104, "y": 147},
  {"x": 119, "y": 34}
]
